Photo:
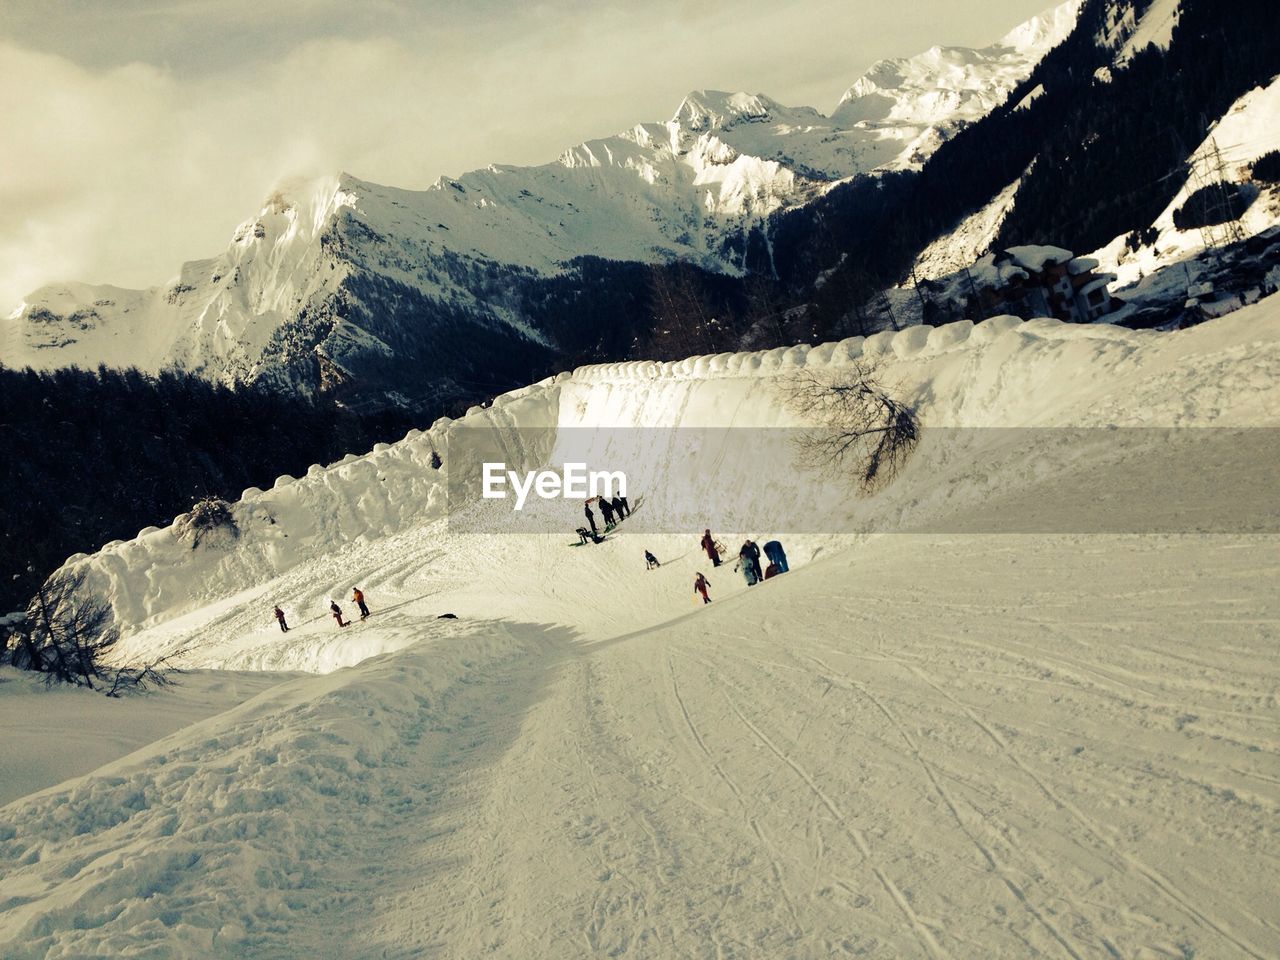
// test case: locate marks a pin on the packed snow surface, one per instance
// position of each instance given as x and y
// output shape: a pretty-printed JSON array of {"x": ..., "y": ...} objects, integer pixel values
[
  {"x": 928, "y": 745},
  {"x": 53, "y": 734}
]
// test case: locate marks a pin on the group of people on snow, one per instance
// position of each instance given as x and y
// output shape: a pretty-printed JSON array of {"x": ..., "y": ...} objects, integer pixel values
[
  {"x": 614, "y": 510},
  {"x": 749, "y": 558},
  {"x": 357, "y": 597},
  {"x": 748, "y": 562}
]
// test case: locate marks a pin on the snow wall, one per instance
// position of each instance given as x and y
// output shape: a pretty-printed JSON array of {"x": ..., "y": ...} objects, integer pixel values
[{"x": 1001, "y": 373}]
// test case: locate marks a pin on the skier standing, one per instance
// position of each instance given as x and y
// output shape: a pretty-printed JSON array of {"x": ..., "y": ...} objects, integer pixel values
[
  {"x": 709, "y": 545},
  {"x": 284, "y": 627},
  {"x": 606, "y": 509},
  {"x": 700, "y": 585},
  {"x": 617, "y": 508},
  {"x": 591, "y": 519},
  {"x": 337, "y": 612},
  {"x": 358, "y": 597},
  {"x": 625, "y": 506}
]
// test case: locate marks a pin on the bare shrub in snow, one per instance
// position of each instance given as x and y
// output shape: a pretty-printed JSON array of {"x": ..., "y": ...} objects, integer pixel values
[
  {"x": 868, "y": 432},
  {"x": 66, "y": 633},
  {"x": 210, "y": 521},
  {"x": 140, "y": 678}
]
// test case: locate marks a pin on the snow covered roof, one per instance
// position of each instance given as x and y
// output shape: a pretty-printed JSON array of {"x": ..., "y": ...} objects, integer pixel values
[
  {"x": 1036, "y": 257},
  {"x": 1096, "y": 283},
  {"x": 1081, "y": 265}
]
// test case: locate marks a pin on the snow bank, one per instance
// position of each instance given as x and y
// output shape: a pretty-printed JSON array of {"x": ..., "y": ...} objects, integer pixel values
[
  {"x": 221, "y": 841},
  {"x": 639, "y": 417},
  {"x": 158, "y": 577}
]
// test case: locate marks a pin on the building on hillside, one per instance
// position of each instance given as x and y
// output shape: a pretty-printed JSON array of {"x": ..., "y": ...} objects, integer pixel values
[{"x": 1041, "y": 281}]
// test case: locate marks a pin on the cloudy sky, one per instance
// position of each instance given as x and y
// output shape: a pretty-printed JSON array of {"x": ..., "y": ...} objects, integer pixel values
[{"x": 138, "y": 133}]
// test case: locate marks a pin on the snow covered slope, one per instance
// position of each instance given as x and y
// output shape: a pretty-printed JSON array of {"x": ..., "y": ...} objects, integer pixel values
[
  {"x": 218, "y": 315},
  {"x": 342, "y": 281},
  {"x": 940, "y": 745},
  {"x": 1127, "y": 30},
  {"x": 1247, "y": 131},
  {"x": 969, "y": 240}
]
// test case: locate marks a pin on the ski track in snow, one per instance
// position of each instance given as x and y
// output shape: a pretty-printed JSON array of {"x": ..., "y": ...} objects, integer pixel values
[{"x": 934, "y": 745}]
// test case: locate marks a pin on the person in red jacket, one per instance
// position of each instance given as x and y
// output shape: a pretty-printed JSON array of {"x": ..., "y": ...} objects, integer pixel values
[
  {"x": 284, "y": 627},
  {"x": 700, "y": 586},
  {"x": 358, "y": 596},
  {"x": 709, "y": 545}
]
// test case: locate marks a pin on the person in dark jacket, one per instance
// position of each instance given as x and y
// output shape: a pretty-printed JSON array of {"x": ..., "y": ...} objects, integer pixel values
[
  {"x": 607, "y": 510},
  {"x": 700, "y": 585},
  {"x": 709, "y": 545},
  {"x": 284, "y": 627},
  {"x": 751, "y": 554},
  {"x": 777, "y": 556},
  {"x": 625, "y": 506},
  {"x": 617, "y": 508},
  {"x": 337, "y": 612},
  {"x": 591, "y": 519},
  {"x": 650, "y": 561}
]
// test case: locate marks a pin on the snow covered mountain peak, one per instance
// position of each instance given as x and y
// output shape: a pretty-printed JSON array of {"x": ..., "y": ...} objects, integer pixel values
[
  {"x": 299, "y": 208},
  {"x": 715, "y": 110},
  {"x": 339, "y": 281},
  {"x": 1043, "y": 32},
  {"x": 944, "y": 86}
]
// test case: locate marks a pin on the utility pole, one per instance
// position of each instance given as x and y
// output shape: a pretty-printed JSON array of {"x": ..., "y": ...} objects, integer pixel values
[
  {"x": 973, "y": 288},
  {"x": 888, "y": 305},
  {"x": 923, "y": 312},
  {"x": 1222, "y": 207},
  {"x": 1208, "y": 179}
]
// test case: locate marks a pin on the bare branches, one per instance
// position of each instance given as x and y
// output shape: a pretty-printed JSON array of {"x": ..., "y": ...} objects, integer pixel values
[
  {"x": 868, "y": 432},
  {"x": 66, "y": 633},
  {"x": 137, "y": 679}
]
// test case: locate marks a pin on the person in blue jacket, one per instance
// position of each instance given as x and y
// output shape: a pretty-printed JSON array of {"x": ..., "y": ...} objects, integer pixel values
[{"x": 773, "y": 550}]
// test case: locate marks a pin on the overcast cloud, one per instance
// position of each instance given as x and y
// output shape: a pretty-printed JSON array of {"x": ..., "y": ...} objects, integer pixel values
[{"x": 138, "y": 133}]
